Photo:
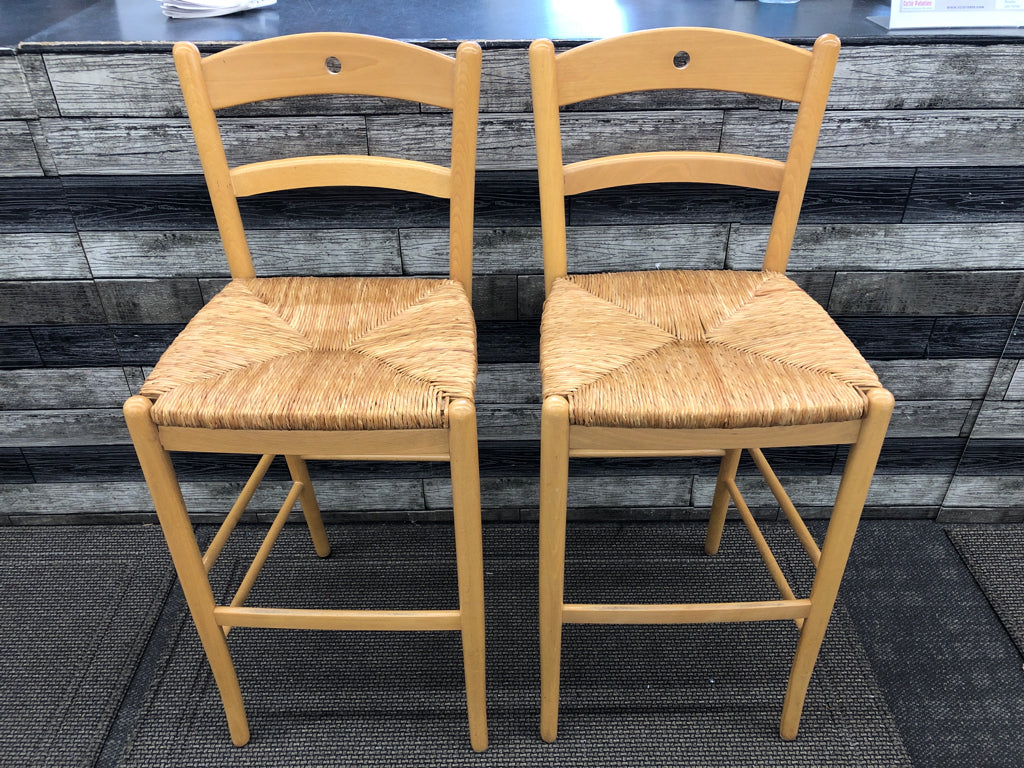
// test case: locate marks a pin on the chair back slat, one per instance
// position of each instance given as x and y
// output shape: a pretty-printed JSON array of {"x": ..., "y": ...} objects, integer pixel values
[
  {"x": 663, "y": 167},
  {"x": 342, "y": 170},
  {"x": 326, "y": 63},
  {"x": 682, "y": 57},
  {"x": 678, "y": 58},
  {"x": 333, "y": 63}
]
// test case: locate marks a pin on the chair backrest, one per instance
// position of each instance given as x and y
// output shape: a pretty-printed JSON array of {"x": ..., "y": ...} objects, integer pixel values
[
  {"x": 680, "y": 58},
  {"x": 334, "y": 63}
]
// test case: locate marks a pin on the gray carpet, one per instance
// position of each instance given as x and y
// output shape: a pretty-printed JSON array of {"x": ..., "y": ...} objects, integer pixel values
[
  {"x": 995, "y": 557},
  {"x": 631, "y": 696},
  {"x": 77, "y": 608}
]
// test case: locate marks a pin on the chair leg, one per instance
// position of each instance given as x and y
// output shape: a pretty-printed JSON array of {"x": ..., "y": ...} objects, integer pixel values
[
  {"x": 188, "y": 561},
  {"x": 310, "y": 506},
  {"x": 720, "y": 504},
  {"x": 465, "y": 469},
  {"x": 554, "y": 491},
  {"x": 853, "y": 490}
]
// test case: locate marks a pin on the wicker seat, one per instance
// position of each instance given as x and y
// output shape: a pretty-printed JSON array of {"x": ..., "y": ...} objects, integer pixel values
[
  {"x": 320, "y": 354},
  {"x": 694, "y": 363},
  {"x": 664, "y": 349},
  {"x": 322, "y": 367}
]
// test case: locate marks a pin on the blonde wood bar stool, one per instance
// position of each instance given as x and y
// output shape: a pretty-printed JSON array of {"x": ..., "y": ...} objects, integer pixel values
[
  {"x": 314, "y": 367},
  {"x": 684, "y": 363}
]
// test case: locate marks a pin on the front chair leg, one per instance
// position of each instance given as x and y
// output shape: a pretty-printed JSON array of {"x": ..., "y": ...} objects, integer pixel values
[
  {"x": 188, "y": 561},
  {"x": 554, "y": 491},
  {"x": 465, "y": 468},
  {"x": 853, "y": 490},
  {"x": 310, "y": 506}
]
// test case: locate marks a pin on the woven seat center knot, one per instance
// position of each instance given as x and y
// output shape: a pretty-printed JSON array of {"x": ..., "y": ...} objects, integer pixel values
[
  {"x": 697, "y": 349},
  {"x": 310, "y": 353}
]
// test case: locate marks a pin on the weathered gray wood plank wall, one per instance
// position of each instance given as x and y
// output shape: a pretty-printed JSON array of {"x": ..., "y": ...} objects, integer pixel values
[{"x": 911, "y": 237}]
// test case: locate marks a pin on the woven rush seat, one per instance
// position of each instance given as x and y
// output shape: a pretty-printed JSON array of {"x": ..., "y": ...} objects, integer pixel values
[
  {"x": 294, "y": 353},
  {"x": 697, "y": 349}
]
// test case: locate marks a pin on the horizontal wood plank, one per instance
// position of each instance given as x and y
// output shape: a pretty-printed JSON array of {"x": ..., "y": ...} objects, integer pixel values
[
  {"x": 968, "y": 195},
  {"x": 146, "y": 85},
  {"x": 172, "y": 253},
  {"x": 953, "y": 137},
  {"x": 18, "y": 155},
  {"x": 17, "y": 101},
  {"x": 583, "y": 492},
  {"x": 101, "y": 146},
  {"x": 934, "y": 76},
  {"x": 63, "y": 388},
  {"x": 590, "y": 249},
  {"x": 993, "y": 292},
  {"x": 206, "y": 497},
  {"x": 1000, "y": 420},
  {"x": 886, "y": 246},
  {"x": 44, "y": 302},
  {"x": 993, "y": 491},
  {"x": 173, "y": 300},
  {"x": 62, "y": 426},
  {"x": 820, "y": 490},
  {"x": 39, "y": 255},
  {"x": 962, "y": 379}
]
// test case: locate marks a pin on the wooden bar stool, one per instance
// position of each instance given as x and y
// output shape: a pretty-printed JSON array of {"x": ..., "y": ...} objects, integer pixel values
[
  {"x": 315, "y": 367},
  {"x": 678, "y": 363}
]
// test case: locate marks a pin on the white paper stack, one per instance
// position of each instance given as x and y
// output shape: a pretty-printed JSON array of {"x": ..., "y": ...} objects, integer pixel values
[{"x": 199, "y": 9}]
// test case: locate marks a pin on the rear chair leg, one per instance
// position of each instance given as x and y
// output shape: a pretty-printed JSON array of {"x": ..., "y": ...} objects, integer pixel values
[
  {"x": 188, "y": 561},
  {"x": 310, "y": 506},
  {"x": 720, "y": 504},
  {"x": 853, "y": 490},
  {"x": 465, "y": 469}
]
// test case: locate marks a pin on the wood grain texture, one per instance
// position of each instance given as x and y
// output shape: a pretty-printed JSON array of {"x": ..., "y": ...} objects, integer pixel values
[
  {"x": 17, "y": 101},
  {"x": 62, "y": 346},
  {"x": 63, "y": 388},
  {"x": 820, "y": 490},
  {"x": 927, "y": 293},
  {"x": 590, "y": 249},
  {"x": 935, "y": 76},
  {"x": 204, "y": 497},
  {"x": 989, "y": 491},
  {"x": 101, "y": 146},
  {"x": 143, "y": 344},
  {"x": 910, "y": 247},
  {"x": 18, "y": 349},
  {"x": 145, "y": 85},
  {"x": 40, "y": 255},
  {"x": 935, "y": 379},
  {"x": 506, "y": 141},
  {"x": 34, "y": 70},
  {"x": 14, "y": 468},
  {"x": 856, "y": 138},
  {"x": 176, "y": 253},
  {"x": 993, "y": 457},
  {"x": 150, "y": 301},
  {"x": 871, "y": 195},
  {"x": 583, "y": 492},
  {"x": 45, "y": 302},
  {"x": 970, "y": 336},
  {"x": 1000, "y": 420},
  {"x": 62, "y": 426},
  {"x": 494, "y": 297},
  {"x": 929, "y": 418},
  {"x": 1015, "y": 389},
  {"x": 18, "y": 155},
  {"x": 34, "y": 205},
  {"x": 123, "y": 203},
  {"x": 968, "y": 195}
]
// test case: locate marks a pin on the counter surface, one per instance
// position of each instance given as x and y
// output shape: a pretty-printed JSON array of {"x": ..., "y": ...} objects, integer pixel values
[{"x": 138, "y": 24}]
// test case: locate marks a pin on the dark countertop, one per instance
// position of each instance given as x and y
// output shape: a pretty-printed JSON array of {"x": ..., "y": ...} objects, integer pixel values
[{"x": 139, "y": 24}]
